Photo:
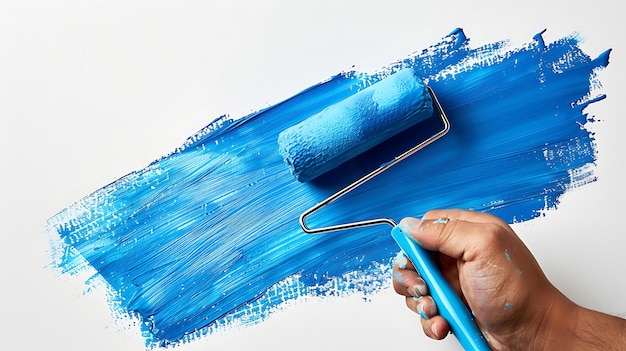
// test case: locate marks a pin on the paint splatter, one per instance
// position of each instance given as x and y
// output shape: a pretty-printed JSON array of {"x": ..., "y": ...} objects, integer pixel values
[
  {"x": 421, "y": 312},
  {"x": 206, "y": 238}
]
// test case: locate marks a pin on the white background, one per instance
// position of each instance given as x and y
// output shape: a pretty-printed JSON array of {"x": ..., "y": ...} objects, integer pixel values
[{"x": 92, "y": 90}]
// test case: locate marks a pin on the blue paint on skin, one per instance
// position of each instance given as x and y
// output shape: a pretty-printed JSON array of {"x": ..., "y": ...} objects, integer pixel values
[
  {"x": 208, "y": 236},
  {"x": 420, "y": 310},
  {"x": 506, "y": 254},
  {"x": 508, "y": 306}
]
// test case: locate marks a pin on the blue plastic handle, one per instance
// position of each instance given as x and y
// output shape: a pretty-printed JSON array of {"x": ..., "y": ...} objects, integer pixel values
[{"x": 448, "y": 302}]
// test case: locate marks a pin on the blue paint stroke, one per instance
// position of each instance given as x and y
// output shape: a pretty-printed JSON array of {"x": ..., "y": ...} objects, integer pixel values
[{"x": 207, "y": 238}]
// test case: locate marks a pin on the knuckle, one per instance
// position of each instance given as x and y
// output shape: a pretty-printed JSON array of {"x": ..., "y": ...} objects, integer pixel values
[{"x": 492, "y": 233}]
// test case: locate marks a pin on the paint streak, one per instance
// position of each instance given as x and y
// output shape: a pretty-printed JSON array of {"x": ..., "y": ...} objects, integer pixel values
[{"x": 206, "y": 238}]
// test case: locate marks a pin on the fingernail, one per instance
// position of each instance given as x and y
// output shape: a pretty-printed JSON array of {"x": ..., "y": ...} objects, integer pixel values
[
  {"x": 409, "y": 222},
  {"x": 400, "y": 260},
  {"x": 433, "y": 328},
  {"x": 420, "y": 290}
]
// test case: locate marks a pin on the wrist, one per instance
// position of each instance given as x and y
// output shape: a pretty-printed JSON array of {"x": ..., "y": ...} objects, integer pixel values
[
  {"x": 568, "y": 326},
  {"x": 558, "y": 324},
  {"x": 598, "y": 331},
  {"x": 545, "y": 324}
]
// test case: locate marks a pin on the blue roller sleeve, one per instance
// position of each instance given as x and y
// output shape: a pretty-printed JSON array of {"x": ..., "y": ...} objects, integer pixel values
[
  {"x": 448, "y": 302},
  {"x": 354, "y": 125}
]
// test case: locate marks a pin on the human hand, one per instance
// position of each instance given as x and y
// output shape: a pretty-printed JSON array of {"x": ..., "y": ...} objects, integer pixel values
[{"x": 495, "y": 274}]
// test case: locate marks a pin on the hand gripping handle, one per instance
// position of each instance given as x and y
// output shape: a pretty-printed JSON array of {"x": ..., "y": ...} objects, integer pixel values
[{"x": 448, "y": 302}]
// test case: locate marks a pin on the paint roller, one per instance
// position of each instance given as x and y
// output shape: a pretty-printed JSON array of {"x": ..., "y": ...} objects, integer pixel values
[{"x": 340, "y": 132}]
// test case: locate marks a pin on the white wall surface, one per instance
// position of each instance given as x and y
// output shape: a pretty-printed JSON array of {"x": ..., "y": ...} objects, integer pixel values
[{"x": 92, "y": 90}]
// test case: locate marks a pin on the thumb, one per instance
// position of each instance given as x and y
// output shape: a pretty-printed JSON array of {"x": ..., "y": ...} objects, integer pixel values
[{"x": 455, "y": 233}]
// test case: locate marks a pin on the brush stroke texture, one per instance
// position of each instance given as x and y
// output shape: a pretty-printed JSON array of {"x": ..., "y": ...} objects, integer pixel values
[{"x": 207, "y": 237}]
